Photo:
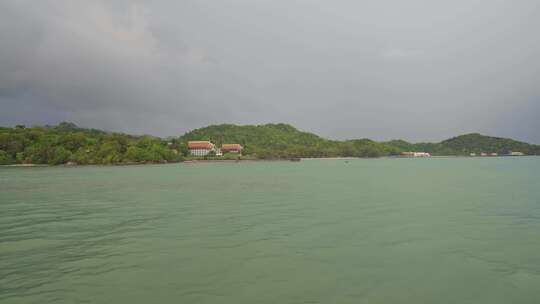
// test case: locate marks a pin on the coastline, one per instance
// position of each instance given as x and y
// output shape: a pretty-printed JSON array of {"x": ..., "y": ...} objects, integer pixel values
[
  {"x": 194, "y": 161},
  {"x": 27, "y": 165},
  {"x": 205, "y": 161}
]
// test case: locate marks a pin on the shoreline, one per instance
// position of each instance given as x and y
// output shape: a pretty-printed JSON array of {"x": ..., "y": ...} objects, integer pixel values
[
  {"x": 202, "y": 161},
  {"x": 27, "y": 165},
  {"x": 194, "y": 161}
]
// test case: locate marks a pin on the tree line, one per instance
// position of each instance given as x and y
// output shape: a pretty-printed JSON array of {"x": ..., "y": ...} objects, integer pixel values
[
  {"x": 67, "y": 143},
  {"x": 285, "y": 141}
]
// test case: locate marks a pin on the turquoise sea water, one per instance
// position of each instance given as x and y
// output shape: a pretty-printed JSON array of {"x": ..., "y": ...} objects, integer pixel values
[{"x": 439, "y": 230}]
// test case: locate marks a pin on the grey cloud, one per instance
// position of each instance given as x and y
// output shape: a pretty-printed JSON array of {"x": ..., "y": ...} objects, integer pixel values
[{"x": 418, "y": 70}]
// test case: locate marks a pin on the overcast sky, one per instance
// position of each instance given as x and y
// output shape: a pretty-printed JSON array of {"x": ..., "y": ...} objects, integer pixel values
[{"x": 421, "y": 70}]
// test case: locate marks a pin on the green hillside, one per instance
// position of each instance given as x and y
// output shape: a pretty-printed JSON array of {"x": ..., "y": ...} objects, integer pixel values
[
  {"x": 66, "y": 143},
  {"x": 477, "y": 143},
  {"x": 284, "y": 141},
  {"x": 55, "y": 145},
  {"x": 271, "y": 141},
  {"x": 469, "y": 143}
]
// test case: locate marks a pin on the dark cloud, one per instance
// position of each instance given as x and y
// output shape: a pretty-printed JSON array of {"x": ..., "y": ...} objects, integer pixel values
[{"x": 419, "y": 70}]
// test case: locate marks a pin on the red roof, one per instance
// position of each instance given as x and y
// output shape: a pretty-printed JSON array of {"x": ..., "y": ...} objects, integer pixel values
[
  {"x": 200, "y": 145},
  {"x": 231, "y": 147}
]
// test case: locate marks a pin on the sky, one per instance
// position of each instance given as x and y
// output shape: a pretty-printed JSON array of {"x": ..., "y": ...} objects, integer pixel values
[{"x": 419, "y": 70}]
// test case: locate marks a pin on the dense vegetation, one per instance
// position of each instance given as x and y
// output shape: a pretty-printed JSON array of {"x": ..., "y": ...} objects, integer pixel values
[
  {"x": 469, "y": 143},
  {"x": 272, "y": 141},
  {"x": 477, "y": 143},
  {"x": 67, "y": 143},
  {"x": 284, "y": 141}
]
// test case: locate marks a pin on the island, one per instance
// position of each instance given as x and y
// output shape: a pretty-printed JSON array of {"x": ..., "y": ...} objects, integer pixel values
[{"x": 69, "y": 144}]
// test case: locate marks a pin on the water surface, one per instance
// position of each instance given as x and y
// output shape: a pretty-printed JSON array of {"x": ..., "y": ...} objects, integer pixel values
[{"x": 454, "y": 230}]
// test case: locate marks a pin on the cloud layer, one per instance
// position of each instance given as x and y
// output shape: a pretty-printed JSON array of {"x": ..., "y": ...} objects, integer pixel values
[{"x": 419, "y": 69}]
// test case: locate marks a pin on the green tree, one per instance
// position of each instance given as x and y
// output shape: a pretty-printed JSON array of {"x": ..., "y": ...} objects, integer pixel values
[
  {"x": 5, "y": 158},
  {"x": 59, "y": 155},
  {"x": 135, "y": 154}
]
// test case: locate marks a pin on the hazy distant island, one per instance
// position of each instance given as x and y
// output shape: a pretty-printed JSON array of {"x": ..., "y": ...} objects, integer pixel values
[{"x": 66, "y": 143}]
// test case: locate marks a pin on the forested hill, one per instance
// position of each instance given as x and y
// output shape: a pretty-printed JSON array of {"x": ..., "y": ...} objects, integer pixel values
[
  {"x": 67, "y": 143},
  {"x": 477, "y": 143},
  {"x": 270, "y": 140},
  {"x": 282, "y": 140},
  {"x": 469, "y": 143}
]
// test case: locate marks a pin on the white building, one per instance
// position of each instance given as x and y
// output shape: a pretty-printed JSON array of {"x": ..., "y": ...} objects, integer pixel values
[
  {"x": 200, "y": 148},
  {"x": 416, "y": 154}
]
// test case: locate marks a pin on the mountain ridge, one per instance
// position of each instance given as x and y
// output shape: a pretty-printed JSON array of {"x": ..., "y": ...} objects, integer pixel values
[
  {"x": 68, "y": 143},
  {"x": 248, "y": 135}
]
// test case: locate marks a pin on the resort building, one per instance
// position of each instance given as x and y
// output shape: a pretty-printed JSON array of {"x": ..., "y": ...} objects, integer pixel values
[
  {"x": 407, "y": 154},
  {"x": 416, "y": 154},
  {"x": 516, "y": 153},
  {"x": 200, "y": 148},
  {"x": 231, "y": 148},
  {"x": 421, "y": 154}
]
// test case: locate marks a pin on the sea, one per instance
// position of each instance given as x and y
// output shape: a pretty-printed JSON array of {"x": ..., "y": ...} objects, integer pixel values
[{"x": 429, "y": 230}]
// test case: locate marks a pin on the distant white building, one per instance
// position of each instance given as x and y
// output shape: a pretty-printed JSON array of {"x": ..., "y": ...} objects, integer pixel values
[
  {"x": 200, "y": 148},
  {"x": 512, "y": 153},
  {"x": 473, "y": 154},
  {"x": 416, "y": 154},
  {"x": 421, "y": 154}
]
